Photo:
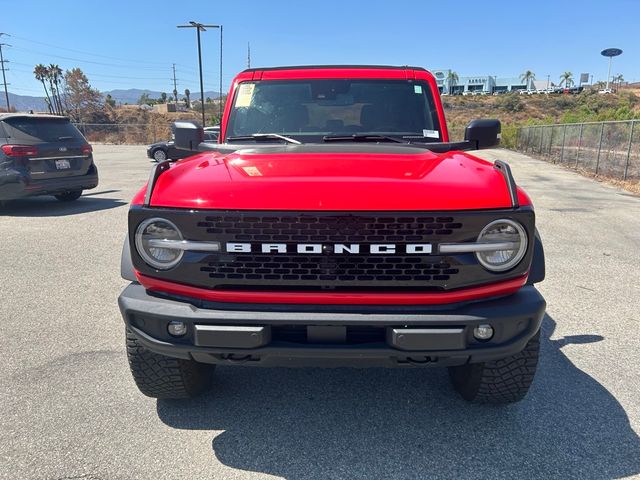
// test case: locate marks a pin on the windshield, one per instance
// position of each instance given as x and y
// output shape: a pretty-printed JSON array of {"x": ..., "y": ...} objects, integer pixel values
[{"x": 312, "y": 110}]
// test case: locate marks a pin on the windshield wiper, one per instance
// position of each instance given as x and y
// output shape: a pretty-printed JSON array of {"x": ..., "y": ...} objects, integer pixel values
[
  {"x": 362, "y": 138},
  {"x": 268, "y": 136}
]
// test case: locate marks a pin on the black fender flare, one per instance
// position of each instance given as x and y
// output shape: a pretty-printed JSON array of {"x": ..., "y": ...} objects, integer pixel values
[
  {"x": 126, "y": 265},
  {"x": 538, "y": 269}
]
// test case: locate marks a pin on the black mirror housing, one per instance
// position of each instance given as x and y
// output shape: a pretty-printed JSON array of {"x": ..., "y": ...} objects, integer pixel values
[
  {"x": 187, "y": 135},
  {"x": 485, "y": 133}
]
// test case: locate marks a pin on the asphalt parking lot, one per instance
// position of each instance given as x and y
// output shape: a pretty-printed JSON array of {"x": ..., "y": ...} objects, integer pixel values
[{"x": 69, "y": 408}]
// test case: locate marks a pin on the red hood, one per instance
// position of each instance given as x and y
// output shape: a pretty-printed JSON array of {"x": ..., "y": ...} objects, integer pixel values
[{"x": 333, "y": 178}]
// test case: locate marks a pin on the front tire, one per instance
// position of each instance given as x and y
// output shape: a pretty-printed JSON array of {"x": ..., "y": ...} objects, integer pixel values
[
  {"x": 159, "y": 155},
  {"x": 506, "y": 380},
  {"x": 69, "y": 196},
  {"x": 159, "y": 376}
]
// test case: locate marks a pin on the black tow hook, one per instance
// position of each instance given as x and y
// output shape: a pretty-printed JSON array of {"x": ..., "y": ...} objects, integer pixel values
[
  {"x": 235, "y": 358},
  {"x": 420, "y": 360}
]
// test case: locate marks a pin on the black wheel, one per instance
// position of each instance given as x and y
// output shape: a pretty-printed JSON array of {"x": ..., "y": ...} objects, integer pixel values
[
  {"x": 500, "y": 381},
  {"x": 69, "y": 196},
  {"x": 158, "y": 376},
  {"x": 159, "y": 155}
]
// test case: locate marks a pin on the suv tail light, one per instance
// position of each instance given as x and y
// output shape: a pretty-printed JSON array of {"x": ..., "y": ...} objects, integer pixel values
[
  {"x": 19, "y": 150},
  {"x": 87, "y": 149}
]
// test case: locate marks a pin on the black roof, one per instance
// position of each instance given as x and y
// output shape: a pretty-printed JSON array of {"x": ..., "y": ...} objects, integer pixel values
[{"x": 313, "y": 67}]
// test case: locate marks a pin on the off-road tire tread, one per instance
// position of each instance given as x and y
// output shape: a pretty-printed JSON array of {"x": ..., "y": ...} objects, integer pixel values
[
  {"x": 159, "y": 376},
  {"x": 506, "y": 380}
]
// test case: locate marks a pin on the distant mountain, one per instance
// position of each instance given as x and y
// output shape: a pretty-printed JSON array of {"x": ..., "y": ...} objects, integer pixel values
[
  {"x": 25, "y": 103},
  {"x": 132, "y": 95}
]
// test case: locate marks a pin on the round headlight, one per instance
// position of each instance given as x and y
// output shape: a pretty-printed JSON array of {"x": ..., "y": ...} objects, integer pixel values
[
  {"x": 510, "y": 240},
  {"x": 149, "y": 236}
]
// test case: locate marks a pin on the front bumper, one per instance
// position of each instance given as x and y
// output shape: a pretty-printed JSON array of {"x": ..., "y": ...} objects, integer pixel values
[
  {"x": 15, "y": 184},
  {"x": 322, "y": 335}
]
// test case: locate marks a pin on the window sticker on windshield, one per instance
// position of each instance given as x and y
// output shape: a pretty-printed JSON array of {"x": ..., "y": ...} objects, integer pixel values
[
  {"x": 430, "y": 133},
  {"x": 417, "y": 89},
  {"x": 245, "y": 94}
]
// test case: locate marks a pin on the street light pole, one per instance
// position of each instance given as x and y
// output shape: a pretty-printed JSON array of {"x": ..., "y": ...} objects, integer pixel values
[
  {"x": 220, "y": 97},
  {"x": 201, "y": 28},
  {"x": 610, "y": 52}
]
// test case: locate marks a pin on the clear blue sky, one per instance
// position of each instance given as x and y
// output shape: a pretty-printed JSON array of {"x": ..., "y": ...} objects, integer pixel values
[{"x": 132, "y": 44}]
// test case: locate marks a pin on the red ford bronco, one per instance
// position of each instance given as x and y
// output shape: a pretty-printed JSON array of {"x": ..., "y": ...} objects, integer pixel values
[{"x": 333, "y": 224}]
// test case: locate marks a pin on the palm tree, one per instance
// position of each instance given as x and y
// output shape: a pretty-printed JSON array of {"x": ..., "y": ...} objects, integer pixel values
[
  {"x": 452, "y": 80},
  {"x": 187, "y": 93},
  {"x": 56, "y": 77},
  {"x": 567, "y": 78},
  {"x": 40, "y": 72},
  {"x": 527, "y": 77},
  {"x": 618, "y": 79}
]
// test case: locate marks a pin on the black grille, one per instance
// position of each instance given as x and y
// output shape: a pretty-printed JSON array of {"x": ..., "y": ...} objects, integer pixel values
[
  {"x": 329, "y": 270},
  {"x": 362, "y": 268},
  {"x": 347, "y": 228}
]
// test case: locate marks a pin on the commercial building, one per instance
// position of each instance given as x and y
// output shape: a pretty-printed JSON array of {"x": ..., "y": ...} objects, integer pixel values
[{"x": 478, "y": 83}]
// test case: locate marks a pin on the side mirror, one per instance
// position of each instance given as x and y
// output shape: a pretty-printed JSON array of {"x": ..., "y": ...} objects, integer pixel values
[
  {"x": 188, "y": 135},
  {"x": 484, "y": 133}
]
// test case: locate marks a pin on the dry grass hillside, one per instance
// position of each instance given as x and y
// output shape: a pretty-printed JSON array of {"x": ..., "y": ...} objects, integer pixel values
[
  {"x": 132, "y": 126},
  {"x": 514, "y": 110}
]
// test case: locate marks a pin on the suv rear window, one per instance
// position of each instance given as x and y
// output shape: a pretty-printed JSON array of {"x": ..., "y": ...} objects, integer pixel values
[{"x": 30, "y": 130}]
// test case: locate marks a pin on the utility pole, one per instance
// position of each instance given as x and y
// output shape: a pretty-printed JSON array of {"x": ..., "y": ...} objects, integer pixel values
[
  {"x": 248, "y": 55},
  {"x": 175, "y": 85},
  {"x": 548, "y": 80},
  {"x": 4, "y": 77}
]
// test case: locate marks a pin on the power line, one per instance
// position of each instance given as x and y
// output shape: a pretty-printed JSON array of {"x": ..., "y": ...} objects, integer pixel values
[{"x": 88, "y": 53}]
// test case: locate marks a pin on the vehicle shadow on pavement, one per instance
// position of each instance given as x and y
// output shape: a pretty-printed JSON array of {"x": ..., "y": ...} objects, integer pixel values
[
  {"x": 349, "y": 423},
  {"x": 50, "y": 207}
]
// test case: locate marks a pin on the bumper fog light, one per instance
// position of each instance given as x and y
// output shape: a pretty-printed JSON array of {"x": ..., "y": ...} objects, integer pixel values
[
  {"x": 177, "y": 328},
  {"x": 483, "y": 332}
]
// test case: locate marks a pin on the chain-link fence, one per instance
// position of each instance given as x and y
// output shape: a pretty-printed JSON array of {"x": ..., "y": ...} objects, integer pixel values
[
  {"x": 602, "y": 148},
  {"x": 125, "y": 133}
]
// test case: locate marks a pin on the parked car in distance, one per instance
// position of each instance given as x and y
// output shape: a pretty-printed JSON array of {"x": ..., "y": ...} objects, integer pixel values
[
  {"x": 215, "y": 129},
  {"x": 44, "y": 155},
  {"x": 161, "y": 151},
  {"x": 605, "y": 91}
]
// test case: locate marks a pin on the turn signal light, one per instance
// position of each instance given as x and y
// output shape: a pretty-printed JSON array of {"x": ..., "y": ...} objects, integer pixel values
[{"x": 19, "y": 151}]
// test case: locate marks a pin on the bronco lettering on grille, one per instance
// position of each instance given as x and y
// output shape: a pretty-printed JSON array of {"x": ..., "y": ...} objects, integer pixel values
[{"x": 336, "y": 248}]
